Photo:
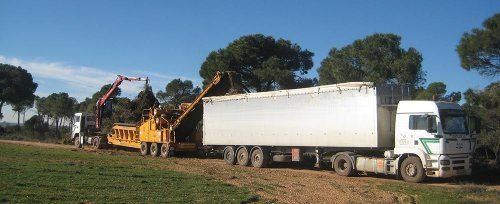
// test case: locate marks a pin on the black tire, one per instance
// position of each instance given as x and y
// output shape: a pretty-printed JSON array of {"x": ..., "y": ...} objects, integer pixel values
[
  {"x": 343, "y": 165},
  {"x": 154, "y": 149},
  {"x": 412, "y": 170},
  {"x": 229, "y": 156},
  {"x": 242, "y": 156},
  {"x": 144, "y": 148},
  {"x": 165, "y": 150},
  {"x": 260, "y": 158},
  {"x": 96, "y": 142},
  {"x": 77, "y": 142}
]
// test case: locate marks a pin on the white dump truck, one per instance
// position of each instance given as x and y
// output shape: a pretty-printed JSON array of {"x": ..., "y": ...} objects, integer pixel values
[{"x": 350, "y": 127}]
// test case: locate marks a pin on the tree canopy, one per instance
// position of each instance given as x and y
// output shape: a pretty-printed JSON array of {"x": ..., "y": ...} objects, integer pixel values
[
  {"x": 485, "y": 105},
  {"x": 480, "y": 49},
  {"x": 16, "y": 87},
  {"x": 437, "y": 91},
  {"x": 263, "y": 62},
  {"x": 378, "y": 58},
  {"x": 178, "y": 91}
]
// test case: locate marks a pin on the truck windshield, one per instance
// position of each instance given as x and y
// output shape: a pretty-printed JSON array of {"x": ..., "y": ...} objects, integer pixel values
[{"x": 453, "y": 121}]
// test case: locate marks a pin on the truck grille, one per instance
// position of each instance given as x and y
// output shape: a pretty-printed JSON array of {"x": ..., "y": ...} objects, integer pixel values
[
  {"x": 458, "y": 161},
  {"x": 458, "y": 167}
]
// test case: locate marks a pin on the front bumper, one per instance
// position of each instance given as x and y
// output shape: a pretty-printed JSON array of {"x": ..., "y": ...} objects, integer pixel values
[{"x": 458, "y": 165}]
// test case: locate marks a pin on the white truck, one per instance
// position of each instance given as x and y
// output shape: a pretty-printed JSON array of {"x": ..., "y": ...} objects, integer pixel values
[{"x": 350, "y": 127}]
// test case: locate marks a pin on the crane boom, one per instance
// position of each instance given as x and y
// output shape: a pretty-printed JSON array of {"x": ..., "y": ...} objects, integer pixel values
[{"x": 102, "y": 101}]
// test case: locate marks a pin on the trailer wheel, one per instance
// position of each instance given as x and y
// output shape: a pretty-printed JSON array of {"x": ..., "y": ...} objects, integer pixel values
[
  {"x": 144, "y": 148},
  {"x": 260, "y": 158},
  {"x": 165, "y": 150},
  {"x": 343, "y": 165},
  {"x": 229, "y": 157},
  {"x": 412, "y": 170},
  {"x": 242, "y": 156},
  {"x": 78, "y": 144},
  {"x": 153, "y": 149}
]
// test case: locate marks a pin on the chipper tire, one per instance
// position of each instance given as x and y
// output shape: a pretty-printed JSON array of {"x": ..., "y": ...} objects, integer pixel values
[
  {"x": 343, "y": 165},
  {"x": 144, "y": 149},
  {"x": 242, "y": 156},
  {"x": 229, "y": 156},
  {"x": 154, "y": 149},
  {"x": 412, "y": 170},
  {"x": 165, "y": 150}
]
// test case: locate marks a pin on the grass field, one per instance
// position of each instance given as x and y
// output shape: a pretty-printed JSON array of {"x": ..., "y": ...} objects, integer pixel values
[
  {"x": 33, "y": 174},
  {"x": 48, "y": 173}
]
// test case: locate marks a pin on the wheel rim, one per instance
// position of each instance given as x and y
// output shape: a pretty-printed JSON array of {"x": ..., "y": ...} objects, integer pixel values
[
  {"x": 228, "y": 155},
  {"x": 411, "y": 170},
  {"x": 257, "y": 158},
  {"x": 153, "y": 148},
  {"x": 342, "y": 164},
  {"x": 164, "y": 149},
  {"x": 143, "y": 147}
]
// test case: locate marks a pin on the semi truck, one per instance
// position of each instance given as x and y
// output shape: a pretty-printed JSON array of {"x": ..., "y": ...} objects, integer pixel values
[{"x": 350, "y": 127}]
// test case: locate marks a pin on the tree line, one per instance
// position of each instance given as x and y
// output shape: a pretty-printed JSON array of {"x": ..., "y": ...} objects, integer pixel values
[{"x": 266, "y": 63}]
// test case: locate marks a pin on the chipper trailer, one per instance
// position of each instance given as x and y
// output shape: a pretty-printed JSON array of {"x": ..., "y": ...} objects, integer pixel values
[
  {"x": 350, "y": 127},
  {"x": 161, "y": 131}
]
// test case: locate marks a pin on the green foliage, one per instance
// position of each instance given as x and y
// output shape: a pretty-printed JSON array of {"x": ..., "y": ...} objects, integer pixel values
[
  {"x": 480, "y": 49},
  {"x": 178, "y": 91},
  {"x": 46, "y": 175},
  {"x": 377, "y": 58},
  {"x": 263, "y": 62},
  {"x": 16, "y": 87},
  {"x": 145, "y": 99},
  {"x": 485, "y": 105},
  {"x": 57, "y": 106},
  {"x": 437, "y": 91}
]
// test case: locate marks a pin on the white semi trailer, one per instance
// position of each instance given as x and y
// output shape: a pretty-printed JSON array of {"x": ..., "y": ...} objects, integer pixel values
[{"x": 351, "y": 127}]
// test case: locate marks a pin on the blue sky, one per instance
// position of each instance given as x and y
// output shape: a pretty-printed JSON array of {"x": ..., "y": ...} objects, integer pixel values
[{"x": 78, "y": 46}]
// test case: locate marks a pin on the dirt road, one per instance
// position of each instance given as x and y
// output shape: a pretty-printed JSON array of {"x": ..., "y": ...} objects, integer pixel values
[{"x": 282, "y": 184}]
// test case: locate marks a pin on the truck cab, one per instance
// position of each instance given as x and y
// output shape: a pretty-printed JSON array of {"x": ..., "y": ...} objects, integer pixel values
[
  {"x": 438, "y": 133},
  {"x": 83, "y": 123}
]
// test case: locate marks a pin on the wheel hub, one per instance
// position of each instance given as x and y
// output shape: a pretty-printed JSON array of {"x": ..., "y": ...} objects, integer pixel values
[{"x": 411, "y": 170}]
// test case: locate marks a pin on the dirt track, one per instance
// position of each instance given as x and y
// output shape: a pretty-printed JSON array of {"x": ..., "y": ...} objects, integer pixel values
[{"x": 282, "y": 184}]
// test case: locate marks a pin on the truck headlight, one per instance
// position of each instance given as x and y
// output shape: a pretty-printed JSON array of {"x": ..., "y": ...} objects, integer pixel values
[{"x": 444, "y": 162}]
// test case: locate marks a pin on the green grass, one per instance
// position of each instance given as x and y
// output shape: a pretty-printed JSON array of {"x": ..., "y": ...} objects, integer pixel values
[
  {"x": 422, "y": 193},
  {"x": 40, "y": 175}
]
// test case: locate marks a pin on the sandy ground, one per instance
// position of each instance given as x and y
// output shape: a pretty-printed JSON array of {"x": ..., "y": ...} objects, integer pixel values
[{"x": 281, "y": 183}]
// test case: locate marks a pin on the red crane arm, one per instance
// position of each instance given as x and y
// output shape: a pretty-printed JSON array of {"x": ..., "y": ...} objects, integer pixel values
[{"x": 102, "y": 101}]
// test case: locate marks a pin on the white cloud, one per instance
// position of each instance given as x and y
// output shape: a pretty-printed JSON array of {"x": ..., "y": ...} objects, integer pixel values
[{"x": 85, "y": 79}]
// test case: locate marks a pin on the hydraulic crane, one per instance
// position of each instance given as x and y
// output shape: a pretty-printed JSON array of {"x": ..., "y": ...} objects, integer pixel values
[{"x": 102, "y": 101}]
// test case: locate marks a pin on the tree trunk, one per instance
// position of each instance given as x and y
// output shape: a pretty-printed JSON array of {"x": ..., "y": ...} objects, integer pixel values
[
  {"x": 1, "y": 105},
  {"x": 18, "y": 116},
  {"x": 57, "y": 127}
]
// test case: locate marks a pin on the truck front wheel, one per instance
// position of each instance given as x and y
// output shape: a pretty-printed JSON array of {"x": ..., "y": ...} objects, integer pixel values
[
  {"x": 229, "y": 157},
  {"x": 144, "y": 148},
  {"x": 78, "y": 144},
  {"x": 411, "y": 170},
  {"x": 343, "y": 165}
]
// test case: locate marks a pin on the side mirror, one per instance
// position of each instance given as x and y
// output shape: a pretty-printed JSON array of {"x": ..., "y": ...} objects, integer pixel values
[
  {"x": 474, "y": 125},
  {"x": 431, "y": 121}
]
